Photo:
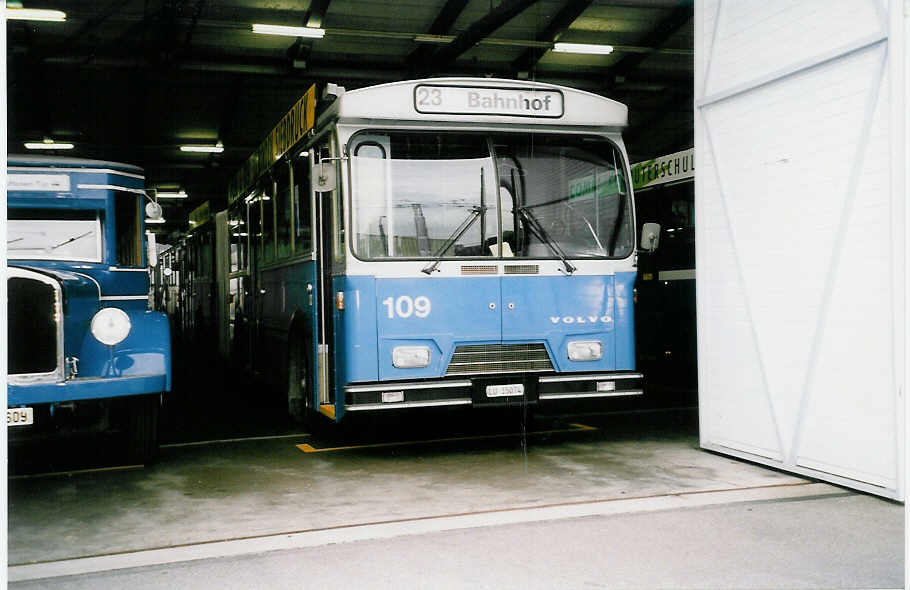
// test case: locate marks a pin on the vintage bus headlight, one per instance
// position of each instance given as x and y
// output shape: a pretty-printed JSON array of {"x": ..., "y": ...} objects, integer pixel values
[
  {"x": 586, "y": 350},
  {"x": 111, "y": 326},
  {"x": 410, "y": 357}
]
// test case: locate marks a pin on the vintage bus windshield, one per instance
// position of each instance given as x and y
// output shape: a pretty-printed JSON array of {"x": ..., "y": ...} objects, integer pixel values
[
  {"x": 452, "y": 195},
  {"x": 54, "y": 239}
]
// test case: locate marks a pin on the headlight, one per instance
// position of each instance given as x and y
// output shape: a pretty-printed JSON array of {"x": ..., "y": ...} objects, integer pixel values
[
  {"x": 410, "y": 357},
  {"x": 586, "y": 350},
  {"x": 111, "y": 326}
]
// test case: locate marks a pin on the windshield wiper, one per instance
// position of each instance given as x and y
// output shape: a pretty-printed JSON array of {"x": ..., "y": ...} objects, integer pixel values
[
  {"x": 537, "y": 229},
  {"x": 14, "y": 240},
  {"x": 459, "y": 231},
  {"x": 73, "y": 239},
  {"x": 594, "y": 235}
]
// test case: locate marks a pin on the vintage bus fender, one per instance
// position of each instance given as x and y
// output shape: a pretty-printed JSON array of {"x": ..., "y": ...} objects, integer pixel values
[{"x": 146, "y": 351}]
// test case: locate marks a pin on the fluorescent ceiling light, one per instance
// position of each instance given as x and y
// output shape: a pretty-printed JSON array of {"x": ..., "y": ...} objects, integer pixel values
[
  {"x": 39, "y": 14},
  {"x": 583, "y": 48},
  {"x": 172, "y": 195},
  {"x": 289, "y": 31},
  {"x": 205, "y": 149},
  {"x": 159, "y": 220},
  {"x": 47, "y": 144}
]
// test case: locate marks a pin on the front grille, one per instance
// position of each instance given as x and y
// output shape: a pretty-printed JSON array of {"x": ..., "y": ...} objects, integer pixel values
[
  {"x": 32, "y": 314},
  {"x": 521, "y": 269},
  {"x": 487, "y": 359}
]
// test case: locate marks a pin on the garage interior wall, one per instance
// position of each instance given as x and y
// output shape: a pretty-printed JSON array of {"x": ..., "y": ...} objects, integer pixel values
[{"x": 801, "y": 240}]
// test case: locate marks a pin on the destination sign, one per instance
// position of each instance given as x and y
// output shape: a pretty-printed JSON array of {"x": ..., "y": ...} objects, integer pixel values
[
  {"x": 474, "y": 100},
  {"x": 39, "y": 182}
]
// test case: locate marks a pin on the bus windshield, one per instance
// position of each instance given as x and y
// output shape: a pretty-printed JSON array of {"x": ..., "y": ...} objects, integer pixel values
[
  {"x": 453, "y": 195},
  {"x": 54, "y": 239}
]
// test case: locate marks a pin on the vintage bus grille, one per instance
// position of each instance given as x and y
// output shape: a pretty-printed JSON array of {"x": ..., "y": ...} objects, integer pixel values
[
  {"x": 485, "y": 359},
  {"x": 31, "y": 309}
]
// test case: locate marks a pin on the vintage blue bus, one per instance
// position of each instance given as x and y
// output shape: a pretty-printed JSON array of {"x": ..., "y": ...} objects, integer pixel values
[
  {"x": 84, "y": 349},
  {"x": 435, "y": 242}
]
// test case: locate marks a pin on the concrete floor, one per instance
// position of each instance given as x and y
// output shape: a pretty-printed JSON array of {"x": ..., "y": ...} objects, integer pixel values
[
  {"x": 844, "y": 541},
  {"x": 567, "y": 486}
]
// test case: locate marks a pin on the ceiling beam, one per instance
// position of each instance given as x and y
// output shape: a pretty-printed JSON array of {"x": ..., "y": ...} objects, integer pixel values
[
  {"x": 444, "y": 21},
  {"x": 300, "y": 50},
  {"x": 89, "y": 25},
  {"x": 188, "y": 39},
  {"x": 656, "y": 37},
  {"x": 562, "y": 21},
  {"x": 316, "y": 13},
  {"x": 474, "y": 34}
]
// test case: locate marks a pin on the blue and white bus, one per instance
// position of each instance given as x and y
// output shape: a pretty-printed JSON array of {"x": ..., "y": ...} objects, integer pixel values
[
  {"x": 436, "y": 242},
  {"x": 84, "y": 349}
]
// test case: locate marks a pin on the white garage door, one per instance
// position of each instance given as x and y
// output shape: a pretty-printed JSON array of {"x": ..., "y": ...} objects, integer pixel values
[{"x": 801, "y": 242}]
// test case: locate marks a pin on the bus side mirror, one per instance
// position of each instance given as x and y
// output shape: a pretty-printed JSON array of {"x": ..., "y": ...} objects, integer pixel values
[
  {"x": 324, "y": 177},
  {"x": 650, "y": 236}
]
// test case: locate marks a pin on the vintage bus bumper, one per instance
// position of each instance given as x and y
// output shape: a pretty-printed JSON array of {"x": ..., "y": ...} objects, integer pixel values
[
  {"x": 88, "y": 388},
  {"x": 487, "y": 391}
]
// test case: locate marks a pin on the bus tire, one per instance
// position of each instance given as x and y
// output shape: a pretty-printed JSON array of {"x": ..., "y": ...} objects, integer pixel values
[
  {"x": 142, "y": 429},
  {"x": 299, "y": 389}
]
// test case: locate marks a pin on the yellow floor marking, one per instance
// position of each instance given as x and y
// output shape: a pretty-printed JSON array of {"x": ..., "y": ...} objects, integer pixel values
[
  {"x": 328, "y": 410},
  {"x": 308, "y": 448},
  {"x": 201, "y": 443}
]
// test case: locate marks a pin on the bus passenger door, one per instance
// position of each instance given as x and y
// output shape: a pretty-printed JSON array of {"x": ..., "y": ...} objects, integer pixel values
[
  {"x": 252, "y": 282},
  {"x": 330, "y": 259},
  {"x": 239, "y": 284}
]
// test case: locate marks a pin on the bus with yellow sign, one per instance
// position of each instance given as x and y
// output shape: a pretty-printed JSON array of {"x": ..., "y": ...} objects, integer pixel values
[{"x": 440, "y": 242}]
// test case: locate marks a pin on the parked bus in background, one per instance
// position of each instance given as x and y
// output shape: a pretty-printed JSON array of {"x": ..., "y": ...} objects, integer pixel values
[
  {"x": 666, "y": 327},
  {"x": 197, "y": 263},
  {"x": 85, "y": 351},
  {"x": 436, "y": 242}
]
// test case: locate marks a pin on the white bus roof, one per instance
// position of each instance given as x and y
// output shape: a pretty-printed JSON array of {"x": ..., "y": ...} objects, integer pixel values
[{"x": 481, "y": 100}]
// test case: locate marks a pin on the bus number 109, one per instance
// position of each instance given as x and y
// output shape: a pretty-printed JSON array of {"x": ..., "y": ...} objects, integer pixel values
[{"x": 405, "y": 307}]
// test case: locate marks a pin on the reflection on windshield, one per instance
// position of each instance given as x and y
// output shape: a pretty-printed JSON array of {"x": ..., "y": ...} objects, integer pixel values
[
  {"x": 557, "y": 196},
  {"x": 54, "y": 239}
]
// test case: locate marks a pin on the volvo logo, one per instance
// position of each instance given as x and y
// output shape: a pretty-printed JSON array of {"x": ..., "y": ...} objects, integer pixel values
[{"x": 581, "y": 319}]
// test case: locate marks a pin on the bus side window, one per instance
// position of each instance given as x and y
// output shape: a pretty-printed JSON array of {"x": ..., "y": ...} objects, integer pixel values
[
  {"x": 205, "y": 254},
  {"x": 371, "y": 184},
  {"x": 303, "y": 215},
  {"x": 283, "y": 210},
  {"x": 255, "y": 210},
  {"x": 238, "y": 230},
  {"x": 329, "y": 151},
  {"x": 268, "y": 223},
  {"x": 128, "y": 241}
]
